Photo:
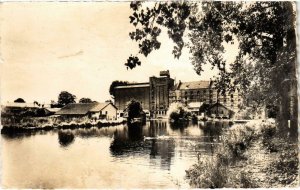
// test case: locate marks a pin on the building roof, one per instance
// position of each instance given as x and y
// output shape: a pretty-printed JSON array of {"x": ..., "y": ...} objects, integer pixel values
[
  {"x": 195, "y": 104},
  {"x": 101, "y": 106},
  {"x": 134, "y": 85},
  {"x": 20, "y": 105},
  {"x": 76, "y": 109},
  {"x": 193, "y": 85},
  {"x": 82, "y": 108},
  {"x": 53, "y": 110},
  {"x": 221, "y": 105}
]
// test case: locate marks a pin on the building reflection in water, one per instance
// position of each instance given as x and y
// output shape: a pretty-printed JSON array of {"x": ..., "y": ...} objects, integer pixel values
[
  {"x": 161, "y": 148},
  {"x": 145, "y": 139},
  {"x": 129, "y": 140}
]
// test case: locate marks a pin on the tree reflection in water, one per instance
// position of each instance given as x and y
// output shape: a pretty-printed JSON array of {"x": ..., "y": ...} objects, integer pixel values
[
  {"x": 151, "y": 139},
  {"x": 130, "y": 138},
  {"x": 180, "y": 125},
  {"x": 65, "y": 138},
  {"x": 212, "y": 133}
]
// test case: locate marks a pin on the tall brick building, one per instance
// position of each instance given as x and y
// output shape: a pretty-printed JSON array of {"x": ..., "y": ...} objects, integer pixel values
[
  {"x": 157, "y": 94},
  {"x": 153, "y": 95}
]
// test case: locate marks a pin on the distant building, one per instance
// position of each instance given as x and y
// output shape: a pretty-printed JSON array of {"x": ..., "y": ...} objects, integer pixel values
[
  {"x": 203, "y": 92},
  {"x": 137, "y": 91},
  {"x": 153, "y": 95},
  {"x": 105, "y": 110},
  {"x": 26, "y": 109},
  {"x": 194, "y": 107},
  {"x": 221, "y": 111},
  {"x": 76, "y": 110},
  {"x": 157, "y": 94},
  {"x": 92, "y": 110}
]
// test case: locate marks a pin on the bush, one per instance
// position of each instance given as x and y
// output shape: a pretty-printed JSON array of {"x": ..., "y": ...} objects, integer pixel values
[
  {"x": 237, "y": 140},
  {"x": 207, "y": 173},
  {"x": 178, "y": 112},
  {"x": 213, "y": 172}
]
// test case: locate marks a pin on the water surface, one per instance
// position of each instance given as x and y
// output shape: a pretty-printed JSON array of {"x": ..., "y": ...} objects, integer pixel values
[{"x": 155, "y": 155}]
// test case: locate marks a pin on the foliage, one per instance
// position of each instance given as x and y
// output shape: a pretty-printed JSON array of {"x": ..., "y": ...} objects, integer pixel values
[
  {"x": 115, "y": 84},
  {"x": 272, "y": 111},
  {"x": 85, "y": 100},
  {"x": 65, "y": 98},
  {"x": 206, "y": 174},
  {"x": 40, "y": 112},
  {"x": 213, "y": 172},
  {"x": 178, "y": 112},
  {"x": 237, "y": 139},
  {"x": 204, "y": 107},
  {"x": 288, "y": 163},
  {"x": 134, "y": 109},
  {"x": 263, "y": 31},
  {"x": 19, "y": 100},
  {"x": 268, "y": 132}
]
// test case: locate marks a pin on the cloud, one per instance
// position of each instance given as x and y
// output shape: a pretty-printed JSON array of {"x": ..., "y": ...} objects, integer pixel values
[{"x": 71, "y": 55}]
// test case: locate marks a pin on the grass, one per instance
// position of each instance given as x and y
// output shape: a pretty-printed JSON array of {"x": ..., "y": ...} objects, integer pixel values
[
  {"x": 19, "y": 124},
  {"x": 227, "y": 167}
]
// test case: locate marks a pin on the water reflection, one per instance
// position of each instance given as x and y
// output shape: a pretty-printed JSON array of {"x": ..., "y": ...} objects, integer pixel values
[
  {"x": 163, "y": 150},
  {"x": 102, "y": 157},
  {"x": 65, "y": 138},
  {"x": 129, "y": 140},
  {"x": 179, "y": 126},
  {"x": 27, "y": 134}
]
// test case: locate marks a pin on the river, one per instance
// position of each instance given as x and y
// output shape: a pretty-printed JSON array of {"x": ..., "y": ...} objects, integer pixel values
[{"x": 154, "y": 155}]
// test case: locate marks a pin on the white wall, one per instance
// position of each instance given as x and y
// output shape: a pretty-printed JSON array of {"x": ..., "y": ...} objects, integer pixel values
[{"x": 110, "y": 111}]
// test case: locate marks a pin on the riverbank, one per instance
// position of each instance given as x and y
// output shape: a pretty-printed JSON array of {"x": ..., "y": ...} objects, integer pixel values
[
  {"x": 249, "y": 156},
  {"x": 48, "y": 123}
]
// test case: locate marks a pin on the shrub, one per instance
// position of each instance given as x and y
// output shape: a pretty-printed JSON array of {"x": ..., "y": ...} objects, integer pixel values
[
  {"x": 207, "y": 173},
  {"x": 178, "y": 112}
]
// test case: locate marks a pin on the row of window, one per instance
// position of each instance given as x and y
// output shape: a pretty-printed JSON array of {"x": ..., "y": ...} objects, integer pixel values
[
  {"x": 160, "y": 112},
  {"x": 203, "y": 92}
]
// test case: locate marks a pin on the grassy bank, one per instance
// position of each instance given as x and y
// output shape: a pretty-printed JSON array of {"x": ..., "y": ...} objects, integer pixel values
[
  {"x": 23, "y": 124},
  {"x": 249, "y": 156}
]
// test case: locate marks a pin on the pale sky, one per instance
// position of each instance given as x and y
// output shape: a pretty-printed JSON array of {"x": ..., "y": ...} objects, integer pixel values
[{"x": 78, "y": 47}]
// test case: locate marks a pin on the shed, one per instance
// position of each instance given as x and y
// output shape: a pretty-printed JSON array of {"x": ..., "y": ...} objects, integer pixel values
[
  {"x": 219, "y": 110},
  {"x": 105, "y": 110},
  {"x": 76, "y": 109}
]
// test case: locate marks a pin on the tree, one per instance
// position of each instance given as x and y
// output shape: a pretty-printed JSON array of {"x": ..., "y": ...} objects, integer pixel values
[
  {"x": 134, "y": 109},
  {"x": 204, "y": 107},
  {"x": 65, "y": 98},
  {"x": 264, "y": 32},
  {"x": 85, "y": 100},
  {"x": 114, "y": 84},
  {"x": 19, "y": 100}
]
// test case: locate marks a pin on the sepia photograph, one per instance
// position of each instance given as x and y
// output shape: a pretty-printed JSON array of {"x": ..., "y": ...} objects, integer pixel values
[{"x": 149, "y": 94}]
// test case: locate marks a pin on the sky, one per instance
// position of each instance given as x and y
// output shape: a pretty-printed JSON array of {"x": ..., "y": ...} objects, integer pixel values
[{"x": 81, "y": 48}]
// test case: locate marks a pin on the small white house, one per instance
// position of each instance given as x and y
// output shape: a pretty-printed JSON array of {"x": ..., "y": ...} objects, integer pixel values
[
  {"x": 105, "y": 110},
  {"x": 194, "y": 107}
]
